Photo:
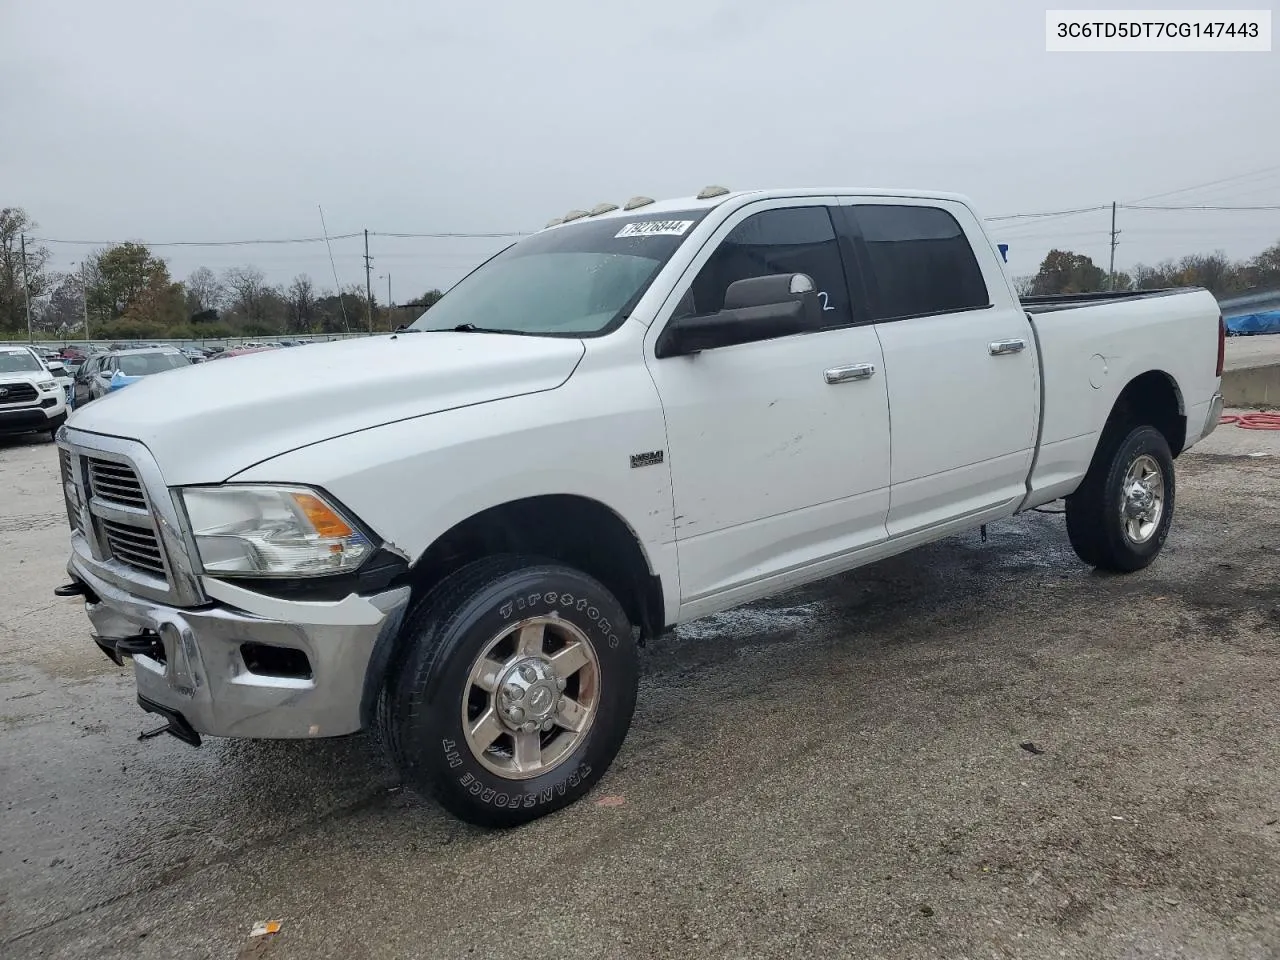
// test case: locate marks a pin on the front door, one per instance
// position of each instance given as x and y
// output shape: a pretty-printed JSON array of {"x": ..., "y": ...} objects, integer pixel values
[{"x": 779, "y": 449}]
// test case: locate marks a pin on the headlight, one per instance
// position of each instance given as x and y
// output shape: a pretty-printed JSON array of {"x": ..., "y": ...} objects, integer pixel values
[
  {"x": 270, "y": 531},
  {"x": 47, "y": 385}
]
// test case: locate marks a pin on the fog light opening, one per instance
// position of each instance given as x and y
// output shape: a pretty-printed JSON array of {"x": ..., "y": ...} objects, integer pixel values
[{"x": 267, "y": 660}]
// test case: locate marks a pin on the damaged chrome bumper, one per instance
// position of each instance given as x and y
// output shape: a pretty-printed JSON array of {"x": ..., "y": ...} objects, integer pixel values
[{"x": 206, "y": 664}]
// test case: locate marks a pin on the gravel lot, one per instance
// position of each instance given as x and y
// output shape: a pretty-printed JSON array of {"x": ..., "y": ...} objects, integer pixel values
[{"x": 834, "y": 773}]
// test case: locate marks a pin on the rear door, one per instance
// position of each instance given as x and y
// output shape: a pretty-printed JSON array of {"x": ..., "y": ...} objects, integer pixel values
[
  {"x": 960, "y": 361},
  {"x": 779, "y": 449}
]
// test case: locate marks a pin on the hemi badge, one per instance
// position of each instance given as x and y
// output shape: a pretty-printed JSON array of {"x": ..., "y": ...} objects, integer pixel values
[{"x": 646, "y": 459}]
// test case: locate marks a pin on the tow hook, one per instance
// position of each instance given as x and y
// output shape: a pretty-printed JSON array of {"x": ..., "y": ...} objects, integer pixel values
[{"x": 142, "y": 645}]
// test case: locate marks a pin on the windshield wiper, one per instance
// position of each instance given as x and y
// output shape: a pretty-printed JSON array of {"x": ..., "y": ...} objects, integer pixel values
[{"x": 472, "y": 328}]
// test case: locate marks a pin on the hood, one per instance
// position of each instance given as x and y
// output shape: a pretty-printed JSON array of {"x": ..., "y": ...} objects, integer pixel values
[
  {"x": 207, "y": 422},
  {"x": 26, "y": 376}
]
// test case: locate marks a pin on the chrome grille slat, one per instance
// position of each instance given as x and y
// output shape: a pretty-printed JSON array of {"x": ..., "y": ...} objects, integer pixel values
[
  {"x": 115, "y": 483},
  {"x": 133, "y": 546},
  {"x": 67, "y": 464}
]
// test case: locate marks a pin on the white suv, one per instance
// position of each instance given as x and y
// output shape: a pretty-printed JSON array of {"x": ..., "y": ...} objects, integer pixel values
[{"x": 31, "y": 399}]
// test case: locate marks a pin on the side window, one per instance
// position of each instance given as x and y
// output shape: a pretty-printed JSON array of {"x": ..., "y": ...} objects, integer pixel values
[
  {"x": 90, "y": 368},
  {"x": 920, "y": 262},
  {"x": 788, "y": 240}
]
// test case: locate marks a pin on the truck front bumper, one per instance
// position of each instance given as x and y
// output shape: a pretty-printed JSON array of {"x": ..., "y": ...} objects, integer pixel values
[{"x": 215, "y": 668}]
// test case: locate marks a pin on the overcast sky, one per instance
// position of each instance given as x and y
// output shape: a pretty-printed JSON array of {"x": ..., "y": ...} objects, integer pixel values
[{"x": 160, "y": 120}]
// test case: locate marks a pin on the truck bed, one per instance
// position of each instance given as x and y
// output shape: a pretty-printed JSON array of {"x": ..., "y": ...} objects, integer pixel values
[{"x": 1072, "y": 301}]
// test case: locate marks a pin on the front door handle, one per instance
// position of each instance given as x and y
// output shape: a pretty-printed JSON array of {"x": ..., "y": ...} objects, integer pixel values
[
  {"x": 856, "y": 371},
  {"x": 1000, "y": 348}
]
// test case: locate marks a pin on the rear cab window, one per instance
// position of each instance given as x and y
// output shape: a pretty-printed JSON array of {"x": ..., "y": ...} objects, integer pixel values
[{"x": 918, "y": 261}]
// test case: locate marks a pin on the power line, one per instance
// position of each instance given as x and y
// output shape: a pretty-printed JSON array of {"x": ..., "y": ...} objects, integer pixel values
[
  {"x": 452, "y": 236},
  {"x": 1211, "y": 183},
  {"x": 198, "y": 243},
  {"x": 283, "y": 240},
  {"x": 1049, "y": 213}
]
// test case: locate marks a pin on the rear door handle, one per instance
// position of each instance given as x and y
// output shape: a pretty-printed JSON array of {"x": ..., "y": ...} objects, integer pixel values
[
  {"x": 1000, "y": 348},
  {"x": 855, "y": 371}
]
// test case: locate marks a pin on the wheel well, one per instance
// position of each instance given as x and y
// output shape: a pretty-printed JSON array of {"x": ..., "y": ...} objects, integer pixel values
[
  {"x": 577, "y": 531},
  {"x": 1154, "y": 399}
]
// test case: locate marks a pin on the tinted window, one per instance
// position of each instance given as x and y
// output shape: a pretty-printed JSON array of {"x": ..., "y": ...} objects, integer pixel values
[
  {"x": 579, "y": 279},
  {"x": 145, "y": 364},
  {"x": 790, "y": 240},
  {"x": 920, "y": 262}
]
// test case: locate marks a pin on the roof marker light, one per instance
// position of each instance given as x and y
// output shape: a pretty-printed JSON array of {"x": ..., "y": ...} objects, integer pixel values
[
  {"x": 600, "y": 208},
  {"x": 574, "y": 215},
  {"x": 635, "y": 202},
  {"x": 706, "y": 193}
]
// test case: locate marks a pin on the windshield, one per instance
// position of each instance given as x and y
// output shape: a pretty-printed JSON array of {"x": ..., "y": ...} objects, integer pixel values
[
  {"x": 577, "y": 280},
  {"x": 19, "y": 361},
  {"x": 143, "y": 364}
]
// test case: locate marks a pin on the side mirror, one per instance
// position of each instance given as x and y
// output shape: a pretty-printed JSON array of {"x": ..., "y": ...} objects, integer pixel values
[{"x": 759, "y": 308}]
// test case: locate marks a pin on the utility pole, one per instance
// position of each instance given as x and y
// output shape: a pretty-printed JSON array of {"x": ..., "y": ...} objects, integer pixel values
[
  {"x": 368, "y": 279},
  {"x": 389, "y": 303},
  {"x": 84, "y": 294},
  {"x": 1111, "y": 272},
  {"x": 26, "y": 286}
]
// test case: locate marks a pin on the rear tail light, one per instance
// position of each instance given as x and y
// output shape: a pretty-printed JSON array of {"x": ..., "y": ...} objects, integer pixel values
[{"x": 1222, "y": 344}]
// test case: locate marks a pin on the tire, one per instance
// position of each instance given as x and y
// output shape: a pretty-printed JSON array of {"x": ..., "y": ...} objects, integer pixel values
[
  {"x": 559, "y": 653},
  {"x": 1102, "y": 533}
]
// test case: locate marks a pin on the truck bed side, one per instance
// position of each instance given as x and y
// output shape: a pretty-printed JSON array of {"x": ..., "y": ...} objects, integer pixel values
[{"x": 1091, "y": 350}]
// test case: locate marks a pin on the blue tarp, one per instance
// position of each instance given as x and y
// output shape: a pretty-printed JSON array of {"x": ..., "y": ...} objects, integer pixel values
[{"x": 1267, "y": 322}]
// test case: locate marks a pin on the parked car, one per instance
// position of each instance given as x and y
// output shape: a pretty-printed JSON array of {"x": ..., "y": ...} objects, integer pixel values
[
  {"x": 194, "y": 354},
  {"x": 31, "y": 399},
  {"x": 107, "y": 372},
  {"x": 240, "y": 352},
  {"x": 65, "y": 378},
  {"x": 459, "y": 533}
]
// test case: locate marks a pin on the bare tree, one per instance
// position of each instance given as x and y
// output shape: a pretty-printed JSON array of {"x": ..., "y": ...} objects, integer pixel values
[
  {"x": 204, "y": 291},
  {"x": 246, "y": 285},
  {"x": 14, "y": 222},
  {"x": 302, "y": 303},
  {"x": 65, "y": 309}
]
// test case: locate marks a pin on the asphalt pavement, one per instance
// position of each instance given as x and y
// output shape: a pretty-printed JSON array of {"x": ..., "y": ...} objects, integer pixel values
[{"x": 973, "y": 750}]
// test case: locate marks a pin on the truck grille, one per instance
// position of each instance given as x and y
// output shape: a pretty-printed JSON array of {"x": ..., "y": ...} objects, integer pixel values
[
  {"x": 17, "y": 393},
  {"x": 135, "y": 547},
  {"x": 115, "y": 483},
  {"x": 126, "y": 528}
]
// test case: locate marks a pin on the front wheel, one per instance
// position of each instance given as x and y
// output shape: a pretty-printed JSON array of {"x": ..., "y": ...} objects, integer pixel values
[
  {"x": 1120, "y": 517},
  {"x": 515, "y": 691}
]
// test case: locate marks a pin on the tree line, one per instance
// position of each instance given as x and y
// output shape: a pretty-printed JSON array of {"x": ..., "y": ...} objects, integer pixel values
[
  {"x": 128, "y": 294},
  {"x": 1063, "y": 271}
]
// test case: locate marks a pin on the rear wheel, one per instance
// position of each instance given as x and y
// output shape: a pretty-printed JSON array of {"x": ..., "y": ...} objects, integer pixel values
[
  {"x": 1120, "y": 516},
  {"x": 515, "y": 690}
]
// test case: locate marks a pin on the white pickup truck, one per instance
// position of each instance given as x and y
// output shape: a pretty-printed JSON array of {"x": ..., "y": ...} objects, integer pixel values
[{"x": 459, "y": 533}]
